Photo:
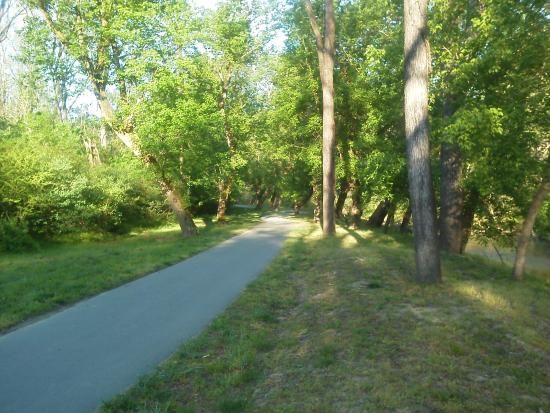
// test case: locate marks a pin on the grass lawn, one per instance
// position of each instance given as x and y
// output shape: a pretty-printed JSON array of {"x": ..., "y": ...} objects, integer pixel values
[
  {"x": 63, "y": 273},
  {"x": 337, "y": 325}
]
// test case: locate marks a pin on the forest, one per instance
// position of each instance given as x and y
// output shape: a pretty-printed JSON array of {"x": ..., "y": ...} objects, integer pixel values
[
  {"x": 199, "y": 107},
  {"x": 334, "y": 164}
]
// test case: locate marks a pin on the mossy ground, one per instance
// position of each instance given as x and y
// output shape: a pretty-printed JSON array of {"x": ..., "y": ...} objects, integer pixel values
[{"x": 339, "y": 325}]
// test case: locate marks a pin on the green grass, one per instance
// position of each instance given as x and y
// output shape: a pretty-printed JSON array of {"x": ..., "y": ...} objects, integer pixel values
[
  {"x": 60, "y": 274},
  {"x": 338, "y": 325}
]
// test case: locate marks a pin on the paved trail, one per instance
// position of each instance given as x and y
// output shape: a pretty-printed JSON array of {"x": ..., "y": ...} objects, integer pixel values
[{"x": 75, "y": 359}]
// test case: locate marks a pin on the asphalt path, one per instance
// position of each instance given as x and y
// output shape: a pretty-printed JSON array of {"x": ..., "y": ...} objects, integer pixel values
[{"x": 75, "y": 359}]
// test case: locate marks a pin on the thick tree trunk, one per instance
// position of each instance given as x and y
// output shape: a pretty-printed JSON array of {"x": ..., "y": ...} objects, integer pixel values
[
  {"x": 450, "y": 221},
  {"x": 468, "y": 213},
  {"x": 273, "y": 199},
  {"x": 417, "y": 63},
  {"x": 356, "y": 208},
  {"x": 404, "y": 227},
  {"x": 260, "y": 198},
  {"x": 342, "y": 195},
  {"x": 184, "y": 218},
  {"x": 326, "y": 54},
  {"x": 224, "y": 190},
  {"x": 527, "y": 228},
  {"x": 377, "y": 217}
]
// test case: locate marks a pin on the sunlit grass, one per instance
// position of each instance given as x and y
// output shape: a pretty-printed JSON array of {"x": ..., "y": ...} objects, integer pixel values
[
  {"x": 339, "y": 325},
  {"x": 63, "y": 273}
]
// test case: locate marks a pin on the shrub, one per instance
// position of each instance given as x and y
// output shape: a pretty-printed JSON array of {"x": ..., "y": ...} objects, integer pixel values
[{"x": 15, "y": 237}]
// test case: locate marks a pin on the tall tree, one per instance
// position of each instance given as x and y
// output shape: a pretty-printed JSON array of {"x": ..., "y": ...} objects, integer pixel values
[
  {"x": 93, "y": 32},
  {"x": 417, "y": 63},
  {"x": 326, "y": 53}
]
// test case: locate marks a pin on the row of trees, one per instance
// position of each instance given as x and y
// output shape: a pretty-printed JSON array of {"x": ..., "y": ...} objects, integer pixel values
[
  {"x": 209, "y": 109},
  {"x": 475, "y": 25}
]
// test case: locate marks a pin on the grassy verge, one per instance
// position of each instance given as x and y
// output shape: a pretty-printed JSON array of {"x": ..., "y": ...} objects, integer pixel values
[
  {"x": 337, "y": 325},
  {"x": 61, "y": 274}
]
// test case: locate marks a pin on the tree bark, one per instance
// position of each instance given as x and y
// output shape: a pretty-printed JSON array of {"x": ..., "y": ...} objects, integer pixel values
[
  {"x": 260, "y": 197},
  {"x": 471, "y": 201},
  {"x": 184, "y": 218},
  {"x": 224, "y": 190},
  {"x": 326, "y": 54},
  {"x": 417, "y": 63},
  {"x": 527, "y": 228},
  {"x": 342, "y": 195},
  {"x": 450, "y": 221},
  {"x": 356, "y": 208},
  {"x": 390, "y": 218},
  {"x": 377, "y": 217},
  {"x": 404, "y": 227}
]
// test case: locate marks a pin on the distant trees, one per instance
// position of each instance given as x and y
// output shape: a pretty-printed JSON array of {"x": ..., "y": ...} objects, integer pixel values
[{"x": 218, "y": 109}]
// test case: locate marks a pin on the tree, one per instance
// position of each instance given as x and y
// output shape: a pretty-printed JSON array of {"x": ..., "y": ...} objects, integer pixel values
[
  {"x": 325, "y": 54},
  {"x": 428, "y": 267},
  {"x": 42, "y": 54},
  {"x": 230, "y": 47},
  {"x": 94, "y": 32},
  {"x": 527, "y": 226}
]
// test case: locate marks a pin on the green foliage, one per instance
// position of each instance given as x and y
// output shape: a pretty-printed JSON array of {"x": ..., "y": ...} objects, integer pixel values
[
  {"x": 15, "y": 237},
  {"x": 49, "y": 186}
]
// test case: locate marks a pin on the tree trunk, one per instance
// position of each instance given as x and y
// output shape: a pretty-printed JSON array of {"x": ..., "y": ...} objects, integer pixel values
[
  {"x": 417, "y": 63},
  {"x": 342, "y": 195},
  {"x": 450, "y": 221},
  {"x": 184, "y": 218},
  {"x": 260, "y": 198},
  {"x": 317, "y": 204},
  {"x": 468, "y": 214},
  {"x": 377, "y": 217},
  {"x": 404, "y": 227},
  {"x": 356, "y": 208},
  {"x": 390, "y": 218},
  {"x": 326, "y": 53},
  {"x": 92, "y": 152},
  {"x": 527, "y": 228},
  {"x": 224, "y": 189}
]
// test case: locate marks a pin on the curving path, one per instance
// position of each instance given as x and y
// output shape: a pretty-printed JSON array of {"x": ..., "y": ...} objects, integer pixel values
[{"x": 75, "y": 359}]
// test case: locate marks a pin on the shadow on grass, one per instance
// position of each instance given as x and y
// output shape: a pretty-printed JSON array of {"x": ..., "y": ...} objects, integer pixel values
[{"x": 336, "y": 324}]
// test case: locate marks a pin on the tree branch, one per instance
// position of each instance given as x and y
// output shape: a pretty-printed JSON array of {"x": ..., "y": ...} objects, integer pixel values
[{"x": 314, "y": 25}]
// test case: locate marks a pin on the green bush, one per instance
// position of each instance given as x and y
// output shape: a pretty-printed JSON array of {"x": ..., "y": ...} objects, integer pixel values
[
  {"x": 47, "y": 183},
  {"x": 15, "y": 237}
]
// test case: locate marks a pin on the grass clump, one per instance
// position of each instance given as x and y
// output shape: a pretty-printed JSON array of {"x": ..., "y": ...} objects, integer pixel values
[{"x": 354, "y": 332}]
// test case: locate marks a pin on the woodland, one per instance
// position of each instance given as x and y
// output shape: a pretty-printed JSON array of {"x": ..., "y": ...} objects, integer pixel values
[
  {"x": 352, "y": 111},
  {"x": 394, "y": 137}
]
